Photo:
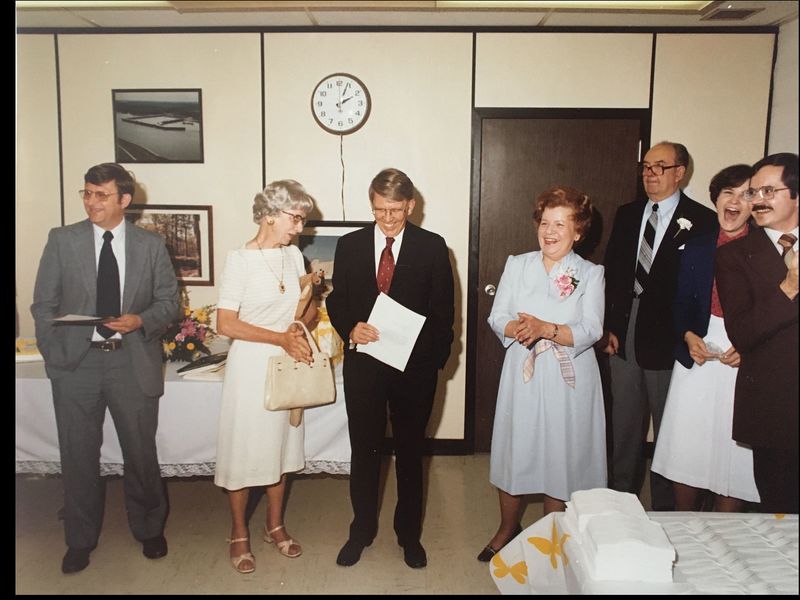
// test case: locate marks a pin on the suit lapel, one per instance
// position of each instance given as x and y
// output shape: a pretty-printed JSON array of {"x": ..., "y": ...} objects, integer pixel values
[
  {"x": 83, "y": 241},
  {"x": 764, "y": 258},
  {"x": 134, "y": 265},
  {"x": 404, "y": 259}
]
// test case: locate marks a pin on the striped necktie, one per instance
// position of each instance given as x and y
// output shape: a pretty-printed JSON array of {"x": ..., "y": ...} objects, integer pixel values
[
  {"x": 646, "y": 253},
  {"x": 787, "y": 241}
]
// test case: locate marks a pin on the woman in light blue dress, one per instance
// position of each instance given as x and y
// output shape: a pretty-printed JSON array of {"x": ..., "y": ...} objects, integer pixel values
[{"x": 549, "y": 425}]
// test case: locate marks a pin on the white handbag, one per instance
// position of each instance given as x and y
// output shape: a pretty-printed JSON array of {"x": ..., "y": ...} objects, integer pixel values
[{"x": 293, "y": 385}]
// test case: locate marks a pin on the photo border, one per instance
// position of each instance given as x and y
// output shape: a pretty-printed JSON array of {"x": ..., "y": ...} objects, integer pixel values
[
  {"x": 330, "y": 229},
  {"x": 164, "y": 161},
  {"x": 206, "y": 238}
]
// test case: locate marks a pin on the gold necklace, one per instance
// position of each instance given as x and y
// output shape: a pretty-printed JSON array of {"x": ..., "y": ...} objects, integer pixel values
[{"x": 281, "y": 286}]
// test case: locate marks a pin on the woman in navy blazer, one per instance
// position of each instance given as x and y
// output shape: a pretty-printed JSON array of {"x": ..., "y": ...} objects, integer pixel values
[{"x": 695, "y": 449}]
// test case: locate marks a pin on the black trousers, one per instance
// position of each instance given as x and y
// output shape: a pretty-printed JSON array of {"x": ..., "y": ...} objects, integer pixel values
[
  {"x": 106, "y": 379},
  {"x": 370, "y": 387}
]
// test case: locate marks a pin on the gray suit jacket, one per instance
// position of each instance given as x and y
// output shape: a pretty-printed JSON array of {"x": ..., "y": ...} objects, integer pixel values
[{"x": 66, "y": 283}]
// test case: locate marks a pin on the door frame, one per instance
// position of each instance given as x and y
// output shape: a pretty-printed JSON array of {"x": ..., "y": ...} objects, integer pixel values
[{"x": 644, "y": 115}]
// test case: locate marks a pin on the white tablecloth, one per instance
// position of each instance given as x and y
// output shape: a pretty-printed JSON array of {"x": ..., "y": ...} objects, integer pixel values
[
  {"x": 717, "y": 553},
  {"x": 187, "y": 428}
]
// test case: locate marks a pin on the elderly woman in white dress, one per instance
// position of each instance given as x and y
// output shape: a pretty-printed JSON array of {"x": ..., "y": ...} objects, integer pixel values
[
  {"x": 257, "y": 300},
  {"x": 549, "y": 425}
]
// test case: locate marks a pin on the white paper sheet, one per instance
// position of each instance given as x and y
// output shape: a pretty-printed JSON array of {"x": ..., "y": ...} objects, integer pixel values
[
  {"x": 81, "y": 320},
  {"x": 398, "y": 327}
]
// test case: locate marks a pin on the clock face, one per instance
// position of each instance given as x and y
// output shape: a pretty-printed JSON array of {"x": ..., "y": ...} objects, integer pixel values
[{"x": 340, "y": 103}]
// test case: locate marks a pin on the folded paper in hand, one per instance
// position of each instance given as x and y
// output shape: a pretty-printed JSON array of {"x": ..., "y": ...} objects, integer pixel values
[{"x": 81, "y": 320}]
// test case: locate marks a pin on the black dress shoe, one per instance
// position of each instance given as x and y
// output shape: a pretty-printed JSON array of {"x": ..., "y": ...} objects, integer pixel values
[
  {"x": 414, "y": 555},
  {"x": 488, "y": 552},
  {"x": 350, "y": 553},
  {"x": 155, "y": 547},
  {"x": 75, "y": 560}
]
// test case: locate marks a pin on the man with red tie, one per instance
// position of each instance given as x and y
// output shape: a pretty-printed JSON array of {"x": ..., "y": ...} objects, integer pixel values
[
  {"x": 757, "y": 280},
  {"x": 412, "y": 266}
]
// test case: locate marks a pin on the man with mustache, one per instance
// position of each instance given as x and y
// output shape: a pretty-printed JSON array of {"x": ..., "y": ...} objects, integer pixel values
[{"x": 757, "y": 280}]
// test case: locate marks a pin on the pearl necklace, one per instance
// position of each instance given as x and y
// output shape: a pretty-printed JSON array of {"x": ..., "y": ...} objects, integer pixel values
[{"x": 281, "y": 285}]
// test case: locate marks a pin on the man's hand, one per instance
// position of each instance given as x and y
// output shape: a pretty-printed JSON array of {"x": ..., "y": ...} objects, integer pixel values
[
  {"x": 790, "y": 285},
  {"x": 364, "y": 333},
  {"x": 612, "y": 344},
  {"x": 125, "y": 323}
]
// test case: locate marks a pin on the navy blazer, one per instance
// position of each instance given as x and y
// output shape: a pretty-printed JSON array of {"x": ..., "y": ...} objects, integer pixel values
[
  {"x": 654, "y": 337},
  {"x": 691, "y": 310}
]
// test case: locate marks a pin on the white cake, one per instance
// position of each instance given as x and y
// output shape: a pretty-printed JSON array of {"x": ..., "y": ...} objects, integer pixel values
[{"x": 616, "y": 540}]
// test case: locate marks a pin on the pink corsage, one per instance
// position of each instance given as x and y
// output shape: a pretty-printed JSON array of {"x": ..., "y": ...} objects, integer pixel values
[{"x": 566, "y": 283}]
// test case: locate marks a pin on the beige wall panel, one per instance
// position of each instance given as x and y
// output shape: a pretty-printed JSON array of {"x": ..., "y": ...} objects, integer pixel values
[
  {"x": 37, "y": 196},
  {"x": 226, "y": 67},
  {"x": 783, "y": 130},
  {"x": 711, "y": 93},
  {"x": 420, "y": 86},
  {"x": 563, "y": 70}
]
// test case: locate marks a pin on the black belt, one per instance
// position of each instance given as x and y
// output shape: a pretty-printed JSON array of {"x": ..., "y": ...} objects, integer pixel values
[{"x": 107, "y": 345}]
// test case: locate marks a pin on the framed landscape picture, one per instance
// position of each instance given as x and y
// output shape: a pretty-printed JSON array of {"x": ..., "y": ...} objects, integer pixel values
[
  {"x": 318, "y": 240},
  {"x": 158, "y": 125},
  {"x": 188, "y": 234}
]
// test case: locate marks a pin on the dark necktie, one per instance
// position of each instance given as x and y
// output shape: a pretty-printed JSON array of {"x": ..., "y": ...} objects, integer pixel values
[
  {"x": 645, "y": 260},
  {"x": 386, "y": 267},
  {"x": 107, "y": 285}
]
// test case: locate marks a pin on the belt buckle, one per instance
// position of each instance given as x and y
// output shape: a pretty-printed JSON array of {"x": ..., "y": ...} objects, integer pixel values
[{"x": 107, "y": 346}]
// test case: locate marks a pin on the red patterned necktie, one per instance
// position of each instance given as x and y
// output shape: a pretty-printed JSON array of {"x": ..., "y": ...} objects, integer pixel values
[{"x": 386, "y": 267}]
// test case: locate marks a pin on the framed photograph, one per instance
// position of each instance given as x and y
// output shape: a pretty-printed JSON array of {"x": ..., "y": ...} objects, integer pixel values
[
  {"x": 188, "y": 233},
  {"x": 318, "y": 240},
  {"x": 158, "y": 126}
]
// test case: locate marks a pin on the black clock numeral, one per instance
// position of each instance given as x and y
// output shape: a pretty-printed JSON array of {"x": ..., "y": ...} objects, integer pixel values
[
  {"x": 322, "y": 113},
  {"x": 341, "y": 123},
  {"x": 361, "y": 103},
  {"x": 358, "y": 113},
  {"x": 329, "y": 85},
  {"x": 339, "y": 82},
  {"x": 319, "y": 102},
  {"x": 350, "y": 121},
  {"x": 323, "y": 93},
  {"x": 330, "y": 121},
  {"x": 358, "y": 92}
]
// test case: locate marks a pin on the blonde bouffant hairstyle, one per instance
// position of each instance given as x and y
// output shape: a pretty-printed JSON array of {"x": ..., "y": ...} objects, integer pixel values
[
  {"x": 562, "y": 195},
  {"x": 281, "y": 195}
]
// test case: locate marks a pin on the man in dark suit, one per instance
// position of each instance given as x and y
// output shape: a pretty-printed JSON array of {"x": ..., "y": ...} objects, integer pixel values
[
  {"x": 641, "y": 263},
  {"x": 757, "y": 279},
  {"x": 108, "y": 267},
  {"x": 421, "y": 280}
]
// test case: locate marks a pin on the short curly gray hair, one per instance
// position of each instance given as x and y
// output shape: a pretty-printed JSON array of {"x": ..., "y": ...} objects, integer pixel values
[{"x": 281, "y": 195}]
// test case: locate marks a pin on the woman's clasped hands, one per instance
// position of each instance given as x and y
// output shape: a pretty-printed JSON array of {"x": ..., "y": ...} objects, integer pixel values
[
  {"x": 295, "y": 344},
  {"x": 529, "y": 329}
]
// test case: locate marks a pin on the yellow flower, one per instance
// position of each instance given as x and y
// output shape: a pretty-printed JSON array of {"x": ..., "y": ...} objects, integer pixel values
[
  {"x": 190, "y": 346},
  {"x": 171, "y": 346},
  {"x": 187, "y": 311}
]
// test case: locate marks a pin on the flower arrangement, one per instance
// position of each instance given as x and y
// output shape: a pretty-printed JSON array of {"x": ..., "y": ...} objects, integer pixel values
[
  {"x": 566, "y": 283},
  {"x": 187, "y": 340}
]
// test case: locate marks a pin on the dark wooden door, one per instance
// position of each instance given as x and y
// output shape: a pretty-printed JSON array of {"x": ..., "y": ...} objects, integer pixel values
[{"x": 520, "y": 158}]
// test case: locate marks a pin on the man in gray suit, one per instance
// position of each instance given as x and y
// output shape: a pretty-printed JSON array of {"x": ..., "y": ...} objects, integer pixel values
[{"x": 108, "y": 267}]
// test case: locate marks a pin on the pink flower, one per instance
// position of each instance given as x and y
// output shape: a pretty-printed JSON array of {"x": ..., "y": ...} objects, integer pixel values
[{"x": 566, "y": 283}]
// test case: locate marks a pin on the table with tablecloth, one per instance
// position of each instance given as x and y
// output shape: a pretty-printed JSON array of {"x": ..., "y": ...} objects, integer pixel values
[{"x": 187, "y": 428}]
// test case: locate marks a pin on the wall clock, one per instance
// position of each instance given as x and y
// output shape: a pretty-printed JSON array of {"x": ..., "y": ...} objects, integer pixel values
[{"x": 341, "y": 103}]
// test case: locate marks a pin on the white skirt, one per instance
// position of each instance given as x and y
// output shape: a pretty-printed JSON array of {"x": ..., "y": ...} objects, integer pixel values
[{"x": 694, "y": 444}]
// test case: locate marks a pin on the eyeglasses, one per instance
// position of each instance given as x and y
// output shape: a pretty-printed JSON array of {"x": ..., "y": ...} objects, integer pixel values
[
  {"x": 87, "y": 195},
  {"x": 657, "y": 169},
  {"x": 386, "y": 212},
  {"x": 766, "y": 192},
  {"x": 296, "y": 218}
]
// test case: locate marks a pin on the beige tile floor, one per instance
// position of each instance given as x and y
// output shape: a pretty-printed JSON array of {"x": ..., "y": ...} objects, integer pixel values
[{"x": 461, "y": 516}]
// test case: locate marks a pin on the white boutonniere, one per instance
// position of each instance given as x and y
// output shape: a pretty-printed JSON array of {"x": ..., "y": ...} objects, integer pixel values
[
  {"x": 565, "y": 282},
  {"x": 683, "y": 223}
]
